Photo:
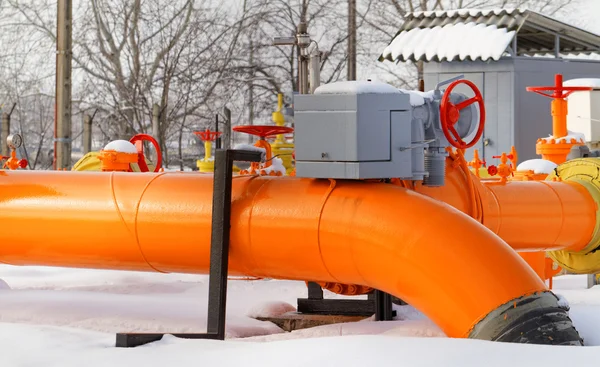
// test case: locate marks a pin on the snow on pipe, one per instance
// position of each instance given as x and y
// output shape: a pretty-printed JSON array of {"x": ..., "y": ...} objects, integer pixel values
[{"x": 350, "y": 232}]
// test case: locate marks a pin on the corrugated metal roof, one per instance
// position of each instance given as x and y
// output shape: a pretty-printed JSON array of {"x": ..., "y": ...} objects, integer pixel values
[{"x": 473, "y": 34}]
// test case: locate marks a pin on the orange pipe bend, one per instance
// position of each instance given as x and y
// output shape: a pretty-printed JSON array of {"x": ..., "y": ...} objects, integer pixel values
[
  {"x": 528, "y": 215},
  {"x": 425, "y": 252}
]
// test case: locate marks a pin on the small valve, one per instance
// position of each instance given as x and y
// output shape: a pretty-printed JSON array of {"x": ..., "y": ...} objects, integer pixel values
[
  {"x": 492, "y": 170},
  {"x": 504, "y": 170},
  {"x": 476, "y": 163}
]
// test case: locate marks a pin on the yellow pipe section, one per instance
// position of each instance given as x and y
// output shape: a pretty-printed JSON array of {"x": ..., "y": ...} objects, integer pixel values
[
  {"x": 207, "y": 150},
  {"x": 371, "y": 234},
  {"x": 585, "y": 172}
]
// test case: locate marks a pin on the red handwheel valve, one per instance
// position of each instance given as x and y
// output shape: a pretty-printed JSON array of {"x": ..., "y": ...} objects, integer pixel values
[
  {"x": 450, "y": 114},
  {"x": 138, "y": 141}
]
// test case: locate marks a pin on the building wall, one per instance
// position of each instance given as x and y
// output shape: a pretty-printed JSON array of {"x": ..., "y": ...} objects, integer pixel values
[
  {"x": 513, "y": 115},
  {"x": 533, "y": 116}
]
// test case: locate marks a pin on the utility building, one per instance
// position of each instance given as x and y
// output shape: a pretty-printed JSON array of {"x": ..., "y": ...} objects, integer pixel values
[{"x": 502, "y": 51}]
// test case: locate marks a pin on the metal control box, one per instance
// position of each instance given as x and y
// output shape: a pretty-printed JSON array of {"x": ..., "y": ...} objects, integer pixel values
[{"x": 353, "y": 130}]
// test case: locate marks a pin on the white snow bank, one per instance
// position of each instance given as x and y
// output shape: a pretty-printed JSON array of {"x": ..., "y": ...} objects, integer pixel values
[
  {"x": 583, "y": 82},
  {"x": 117, "y": 301},
  {"x": 538, "y": 166},
  {"x": 122, "y": 146},
  {"x": 418, "y": 98},
  {"x": 276, "y": 166},
  {"x": 270, "y": 309},
  {"x": 356, "y": 87},
  {"x": 4, "y": 286},
  {"x": 53, "y": 347},
  {"x": 579, "y": 137}
]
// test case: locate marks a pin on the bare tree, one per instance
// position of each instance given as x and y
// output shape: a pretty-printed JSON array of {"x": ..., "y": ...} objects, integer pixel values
[
  {"x": 263, "y": 70},
  {"x": 131, "y": 54}
]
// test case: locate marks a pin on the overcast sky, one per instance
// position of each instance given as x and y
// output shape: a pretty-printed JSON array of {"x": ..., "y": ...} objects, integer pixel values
[{"x": 588, "y": 15}]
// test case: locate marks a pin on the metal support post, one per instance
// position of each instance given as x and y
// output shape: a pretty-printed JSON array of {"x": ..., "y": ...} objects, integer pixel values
[
  {"x": 156, "y": 126},
  {"x": 314, "y": 291},
  {"x": 156, "y": 121},
  {"x": 62, "y": 128},
  {"x": 351, "y": 72},
  {"x": 378, "y": 303},
  {"x": 218, "y": 141},
  {"x": 383, "y": 303},
  {"x": 315, "y": 70},
  {"x": 226, "y": 142},
  {"x": 303, "y": 41},
  {"x": 591, "y": 280},
  {"x": 219, "y": 253},
  {"x": 5, "y": 132},
  {"x": 87, "y": 134}
]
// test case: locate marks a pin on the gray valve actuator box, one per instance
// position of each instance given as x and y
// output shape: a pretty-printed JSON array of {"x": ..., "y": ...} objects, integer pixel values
[{"x": 353, "y": 130}]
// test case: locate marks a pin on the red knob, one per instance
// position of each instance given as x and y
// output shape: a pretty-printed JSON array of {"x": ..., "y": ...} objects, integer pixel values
[{"x": 492, "y": 170}]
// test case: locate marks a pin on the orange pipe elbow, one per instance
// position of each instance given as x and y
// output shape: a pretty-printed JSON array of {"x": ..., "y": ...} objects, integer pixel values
[{"x": 390, "y": 238}]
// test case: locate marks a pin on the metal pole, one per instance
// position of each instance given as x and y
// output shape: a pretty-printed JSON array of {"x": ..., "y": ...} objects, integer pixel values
[
  {"x": 155, "y": 121},
  {"x": 591, "y": 280},
  {"x": 156, "y": 124},
  {"x": 5, "y": 132},
  {"x": 62, "y": 130},
  {"x": 220, "y": 232},
  {"x": 557, "y": 46},
  {"x": 87, "y": 134},
  {"x": 303, "y": 40},
  {"x": 217, "y": 140},
  {"x": 227, "y": 129},
  {"x": 251, "y": 91},
  {"x": 351, "y": 40},
  {"x": 315, "y": 70}
]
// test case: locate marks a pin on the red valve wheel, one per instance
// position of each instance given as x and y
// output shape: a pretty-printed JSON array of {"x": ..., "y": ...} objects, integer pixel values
[
  {"x": 23, "y": 163},
  {"x": 450, "y": 114},
  {"x": 138, "y": 141},
  {"x": 558, "y": 91},
  {"x": 492, "y": 170},
  {"x": 263, "y": 130},
  {"x": 207, "y": 135}
]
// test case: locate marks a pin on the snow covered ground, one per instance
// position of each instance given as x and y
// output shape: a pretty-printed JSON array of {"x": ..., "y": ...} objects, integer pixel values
[{"x": 68, "y": 317}]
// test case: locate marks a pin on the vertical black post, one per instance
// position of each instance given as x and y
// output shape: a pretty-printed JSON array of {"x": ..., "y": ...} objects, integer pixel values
[
  {"x": 218, "y": 142},
  {"x": 219, "y": 249},
  {"x": 383, "y": 306},
  {"x": 314, "y": 291},
  {"x": 219, "y": 253}
]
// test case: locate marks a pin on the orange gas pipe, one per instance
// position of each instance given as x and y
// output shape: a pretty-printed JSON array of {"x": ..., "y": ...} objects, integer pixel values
[
  {"x": 288, "y": 228},
  {"x": 529, "y": 216}
]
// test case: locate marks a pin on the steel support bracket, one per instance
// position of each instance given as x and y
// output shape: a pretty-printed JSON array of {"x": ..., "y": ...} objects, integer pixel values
[{"x": 219, "y": 253}]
